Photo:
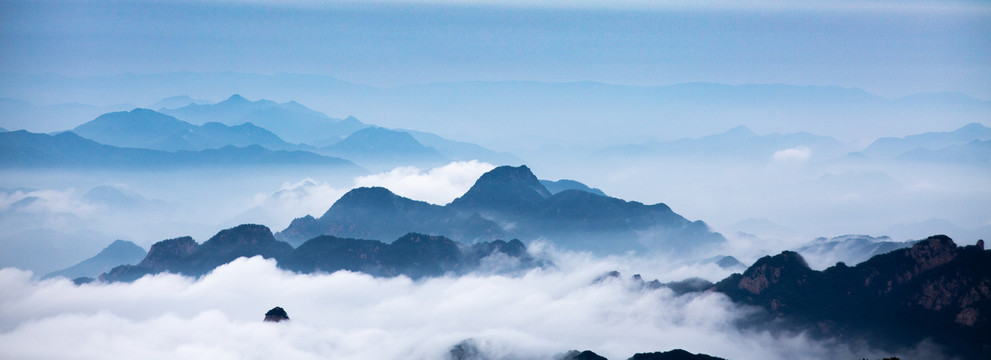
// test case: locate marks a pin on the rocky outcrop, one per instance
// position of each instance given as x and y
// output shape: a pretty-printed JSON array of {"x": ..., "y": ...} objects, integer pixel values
[
  {"x": 933, "y": 290},
  {"x": 277, "y": 314}
]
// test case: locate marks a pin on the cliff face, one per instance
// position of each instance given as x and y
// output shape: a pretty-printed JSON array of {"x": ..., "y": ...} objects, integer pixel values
[{"x": 934, "y": 289}]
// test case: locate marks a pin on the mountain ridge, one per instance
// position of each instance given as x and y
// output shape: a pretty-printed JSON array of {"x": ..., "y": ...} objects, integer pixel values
[{"x": 509, "y": 202}]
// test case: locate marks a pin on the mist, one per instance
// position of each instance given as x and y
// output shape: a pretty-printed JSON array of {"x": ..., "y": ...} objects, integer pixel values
[{"x": 536, "y": 315}]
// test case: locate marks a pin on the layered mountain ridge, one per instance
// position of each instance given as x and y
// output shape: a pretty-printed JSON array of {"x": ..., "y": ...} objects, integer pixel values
[
  {"x": 932, "y": 290},
  {"x": 413, "y": 255},
  {"x": 509, "y": 202}
]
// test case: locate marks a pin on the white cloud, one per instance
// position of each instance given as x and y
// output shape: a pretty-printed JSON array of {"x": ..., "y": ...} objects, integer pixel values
[
  {"x": 291, "y": 200},
  {"x": 354, "y": 316},
  {"x": 437, "y": 186},
  {"x": 795, "y": 154},
  {"x": 46, "y": 202}
]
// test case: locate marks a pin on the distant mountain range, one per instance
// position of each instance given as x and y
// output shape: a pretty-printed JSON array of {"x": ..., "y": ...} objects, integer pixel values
[
  {"x": 385, "y": 149},
  {"x": 505, "y": 113},
  {"x": 555, "y": 187},
  {"x": 148, "y": 129},
  {"x": 933, "y": 290},
  {"x": 21, "y": 149},
  {"x": 509, "y": 202},
  {"x": 412, "y": 255},
  {"x": 970, "y": 145},
  {"x": 291, "y": 121},
  {"x": 854, "y": 249},
  {"x": 239, "y": 122},
  {"x": 117, "y": 253}
]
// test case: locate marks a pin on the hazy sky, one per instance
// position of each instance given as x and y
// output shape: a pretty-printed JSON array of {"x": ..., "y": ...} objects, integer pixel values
[{"x": 889, "y": 48}]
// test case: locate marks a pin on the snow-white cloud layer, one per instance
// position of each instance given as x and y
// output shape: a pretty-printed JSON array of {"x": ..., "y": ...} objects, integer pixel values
[
  {"x": 348, "y": 315},
  {"x": 795, "y": 154}
]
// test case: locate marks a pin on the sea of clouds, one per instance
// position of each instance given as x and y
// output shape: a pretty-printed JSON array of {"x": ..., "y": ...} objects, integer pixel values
[{"x": 538, "y": 314}]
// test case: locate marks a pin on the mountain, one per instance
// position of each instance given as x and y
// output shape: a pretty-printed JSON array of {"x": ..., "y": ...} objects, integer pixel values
[
  {"x": 555, "y": 187},
  {"x": 933, "y": 290},
  {"x": 184, "y": 256},
  {"x": 3, "y": 130},
  {"x": 676, "y": 354},
  {"x": 413, "y": 255},
  {"x": 738, "y": 142},
  {"x": 21, "y": 149},
  {"x": 505, "y": 113},
  {"x": 509, "y": 202},
  {"x": 463, "y": 151},
  {"x": 148, "y": 129},
  {"x": 851, "y": 249},
  {"x": 384, "y": 148},
  {"x": 290, "y": 121},
  {"x": 117, "y": 253},
  {"x": 974, "y": 153},
  {"x": 175, "y": 102},
  {"x": 890, "y": 147}
]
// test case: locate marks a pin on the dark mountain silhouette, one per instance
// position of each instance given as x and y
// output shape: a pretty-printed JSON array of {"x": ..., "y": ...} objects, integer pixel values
[
  {"x": 583, "y": 355},
  {"x": 290, "y": 121},
  {"x": 891, "y": 147},
  {"x": 21, "y": 149},
  {"x": 413, "y": 255},
  {"x": 509, "y": 202},
  {"x": 117, "y": 253},
  {"x": 555, "y": 187},
  {"x": 184, "y": 256},
  {"x": 676, "y": 354},
  {"x": 277, "y": 314},
  {"x": 147, "y": 129},
  {"x": 933, "y": 290},
  {"x": 384, "y": 148}
]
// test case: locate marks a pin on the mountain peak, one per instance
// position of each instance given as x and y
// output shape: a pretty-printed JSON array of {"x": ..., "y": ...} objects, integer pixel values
[
  {"x": 236, "y": 98},
  {"x": 788, "y": 266},
  {"x": 504, "y": 188}
]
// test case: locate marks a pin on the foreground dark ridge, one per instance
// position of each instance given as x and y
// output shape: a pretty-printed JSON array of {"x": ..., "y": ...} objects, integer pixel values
[
  {"x": 413, "y": 255},
  {"x": 933, "y": 290},
  {"x": 509, "y": 202}
]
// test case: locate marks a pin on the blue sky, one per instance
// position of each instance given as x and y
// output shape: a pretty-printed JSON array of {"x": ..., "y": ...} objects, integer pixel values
[{"x": 888, "y": 48}]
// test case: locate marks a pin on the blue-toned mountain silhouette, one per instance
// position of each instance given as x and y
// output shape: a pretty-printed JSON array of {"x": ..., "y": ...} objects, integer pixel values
[
  {"x": 21, "y": 149},
  {"x": 509, "y": 202},
  {"x": 890, "y": 147},
  {"x": 290, "y": 121},
  {"x": 555, "y": 187},
  {"x": 117, "y": 253},
  {"x": 148, "y": 129},
  {"x": 384, "y": 148}
]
